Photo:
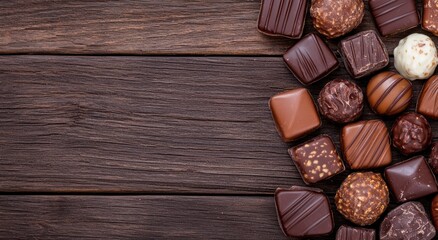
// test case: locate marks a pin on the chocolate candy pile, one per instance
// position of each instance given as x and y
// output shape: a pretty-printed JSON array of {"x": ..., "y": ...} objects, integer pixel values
[{"x": 363, "y": 197}]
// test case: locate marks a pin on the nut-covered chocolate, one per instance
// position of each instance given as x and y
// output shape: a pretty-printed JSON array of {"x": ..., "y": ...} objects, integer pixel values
[
  {"x": 430, "y": 16},
  {"x": 336, "y": 18},
  {"x": 411, "y": 133},
  {"x": 427, "y": 102},
  {"x": 408, "y": 221},
  {"x": 433, "y": 158},
  {"x": 341, "y": 101},
  {"x": 416, "y": 57},
  {"x": 317, "y": 159},
  {"x": 362, "y": 197},
  {"x": 389, "y": 93}
]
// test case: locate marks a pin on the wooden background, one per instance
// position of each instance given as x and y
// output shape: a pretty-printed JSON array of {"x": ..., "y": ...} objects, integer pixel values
[{"x": 147, "y": 120}]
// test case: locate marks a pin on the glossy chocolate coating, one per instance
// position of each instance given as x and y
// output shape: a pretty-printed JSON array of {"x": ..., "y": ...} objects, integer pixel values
[
  {"x": 434, "y": 211},
  {"x": 428, "y": 100},
  {"x": 282, "y": 17},
  {"x": 362, "y": 197},
  {"x": 341, "y": 101},
  {"x": 394, "y": 16},
  {"x": 389, "y": 93},
  {"x": 366, "y": 144},
  {"x": 364, "y": 53},
  {"x": 310, "y": 59},
  {"x": 303, "y": 212},
  {"x": 411, "y": 133},
  {"x": 353, "y": 233},
  {"x": 410, "y": 179},
  {"x": 317, "y": 159},
  {"x": 408, "y": 221},
  {"x": 294, "y": 113},
  {"x": 430, "y": 16},
  {"x": 433, "y": 158},
  {"x": 336, "y": 18}
]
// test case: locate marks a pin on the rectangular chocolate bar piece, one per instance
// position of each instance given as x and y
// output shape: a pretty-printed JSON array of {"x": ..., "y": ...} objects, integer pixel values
[
  {"x": 364, "y": 53},
  {"x": 430, "y": 16},
  {"x": 282, "y": 17},
  {"x": 317, "y": 159},
  {"x": 411, "y": 179},
  {"x": 394, "y": 16},
  {"x": 353, "y": 233},
  {"x": 310, "y": 59}
]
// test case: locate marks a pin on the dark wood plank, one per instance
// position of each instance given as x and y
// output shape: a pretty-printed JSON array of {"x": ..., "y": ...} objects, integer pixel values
[
  {"x": 148, "y": 124},
  {"x": 144, "y": 27}
]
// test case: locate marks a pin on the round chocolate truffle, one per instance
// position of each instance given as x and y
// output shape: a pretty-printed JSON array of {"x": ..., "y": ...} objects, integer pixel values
[
  {"x": 416, "y": 57},
  {"x": 389, "y": 93},
  {"x": 433, "y": 158},
  {"x": 341, "y": 101},
  {"x": 336, "y": 18},
  {"x": 362, "y": 197},
  {"x": 411, "y": 133}
]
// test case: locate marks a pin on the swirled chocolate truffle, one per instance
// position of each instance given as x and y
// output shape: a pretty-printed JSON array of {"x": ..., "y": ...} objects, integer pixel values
[
  {"x": 389, "y": 93},
  {"x": 341, "y": 101},
  {"x": 362, "y": 197},
  {"x": 411, "y": 133},
  {"x": 433, "y": 158},
  {"x": 336, "y": 18}
]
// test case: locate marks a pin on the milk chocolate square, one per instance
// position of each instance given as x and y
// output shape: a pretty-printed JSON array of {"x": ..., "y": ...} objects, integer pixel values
[
  {"x": 310, "y": 59},
  {"x": 294, "y": 113},
  {"x": 282, "y": 17},
  {"x": 303, "y": 212},
  {"x": 428, "y": 100},
  {"x": 317, "y": 159},
  {"x": 364, "y": 53},
  {"x": 394, "y": 16},
  {"x": 366, "y": 144},
  {"x": 430, "y": 16},
  {"x": 411, "y": 179}
]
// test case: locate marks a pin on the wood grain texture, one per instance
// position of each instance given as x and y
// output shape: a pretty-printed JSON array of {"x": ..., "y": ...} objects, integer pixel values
[
  {"x": 149, "y": 124},
  {"x": 147, "y": 27}
]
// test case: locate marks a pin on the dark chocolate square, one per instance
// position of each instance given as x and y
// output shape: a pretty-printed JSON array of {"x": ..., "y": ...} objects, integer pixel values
[
  {"x": 294, "y": 113},
  {"x": 364, "y": 53},
  {"x": 317, "y": 159},
  {"x": 303, "y": 212},
  {"x": 354, "y": 233},
  {"x": 411, "y": 179},
  {"x": 394, "y": 16},
  {"x": 282, "y": 17},
  {"x": 310, "y": 59}
]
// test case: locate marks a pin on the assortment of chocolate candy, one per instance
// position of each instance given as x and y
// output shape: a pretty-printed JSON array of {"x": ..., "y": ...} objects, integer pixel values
[{"x": 362, "y": 197}]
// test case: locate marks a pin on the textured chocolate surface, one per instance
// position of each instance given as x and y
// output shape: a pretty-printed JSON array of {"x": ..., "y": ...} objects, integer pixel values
[
  {"x": 433, "y": 158},
  {"x": 303, "y": 212},
  {"x": 353, "y": 233},
  {"x": 407, "y": 222},
  {"x": 294, "y": 113},
  {"x": 364, "y": 53},
  {"x": 366, "y": 144},
  {"x": 310, "y": 59},
  {"x": 428, "y": 100},
  {"x": 336, "y": 18},
  {"x": 317, "y": 159},
  {"x": 362, "y": 197},
  {"x": 430, "y": 16},
  {"x": 341, "y": 101},
  {"x": 410, "y": 179},
  {"x": 411, "y": 133},
  {"x": 434, "y": 211},
  {"x": 282, "y": 17},
  {"x": 394, "y": 16},
  {"x": 389, "y": 93}
]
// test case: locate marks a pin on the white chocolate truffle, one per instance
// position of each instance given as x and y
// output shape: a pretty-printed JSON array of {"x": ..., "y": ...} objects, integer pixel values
[{"x": 415, "y": 57}]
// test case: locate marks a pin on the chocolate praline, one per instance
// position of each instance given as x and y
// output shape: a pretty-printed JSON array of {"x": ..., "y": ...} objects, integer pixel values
[
  {"x": 433, "y": 158},
  {"x": 341, "y": 101},
  {"x": 411, "y": 133}
]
